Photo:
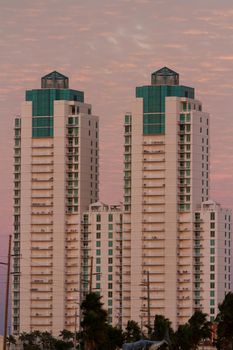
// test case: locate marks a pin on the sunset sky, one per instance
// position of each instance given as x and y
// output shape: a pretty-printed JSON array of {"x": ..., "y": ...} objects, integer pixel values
[{"x": 107, "y": 48}]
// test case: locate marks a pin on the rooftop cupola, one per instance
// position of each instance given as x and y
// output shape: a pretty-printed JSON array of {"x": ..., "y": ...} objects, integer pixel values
[
  {"x": 164, "y": 76},
  {"x": 54, "y": 80}
]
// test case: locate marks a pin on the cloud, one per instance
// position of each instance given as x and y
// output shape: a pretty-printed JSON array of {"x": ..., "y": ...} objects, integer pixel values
[
  {"x": 195, "y": 32},
  {"x": 226, "y": 58}
]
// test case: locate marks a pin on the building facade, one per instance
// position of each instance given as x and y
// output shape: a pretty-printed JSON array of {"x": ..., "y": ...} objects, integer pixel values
[
  {"x": 56, "y": 179},
  {"x": 102, "y": 256},
  {"x": 212, "y": 235},
  {"x": 166, "y": 180}
]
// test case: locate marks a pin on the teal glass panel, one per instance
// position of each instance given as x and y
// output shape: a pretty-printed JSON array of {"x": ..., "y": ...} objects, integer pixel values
[
  {"x": 42, "y": 132},
  {"x": 154, "y": 102},
  {"x": 43, "y": 99}
]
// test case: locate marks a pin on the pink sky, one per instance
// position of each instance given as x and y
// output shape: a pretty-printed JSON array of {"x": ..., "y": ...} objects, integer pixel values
[{"x": 107, "y": 47}]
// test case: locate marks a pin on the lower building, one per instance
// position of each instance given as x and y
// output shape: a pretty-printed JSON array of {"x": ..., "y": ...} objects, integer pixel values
[
  {"x": 101, "y": 262},
  {"x": 213, "y": 259}
]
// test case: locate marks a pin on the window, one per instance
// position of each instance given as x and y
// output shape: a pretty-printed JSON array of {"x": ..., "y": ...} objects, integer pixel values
[
  {"x": 98, "y": 218},
  {"x": 110, "y": 302},
  {"x": 98, "y": 261},
  {"x": 110, "y": 294},
  {"x": 110, "y": 269},
  {"x": 212, "y": 267},
  {"x": 98, "y": 227},
  {"x": 110, "y": 277},
  {"x": 110, "y": 243},
  {"x": 110, "y": 235},
  {"x": 110, "y": 226},
  {"x": 212, "y": 259},
  {"x": 110, "y": 217},
  {"x": 98, "y": 235},
  {"x": 110, "y": 252},
  {"x": 212, "y": 310},
  {"x": 98, "y": 252},
  {"x": 212, "y": 216},
  {"x": 212, "y": 251},
  {"x": 212, "y": 285},
  {"x": 110, "y": 260},
  {"x": 109, "y": 285},
  {"x": 98, "y": 285},
  {"x": 212, "y": 276},
  {"x": 212, "y": 234},
  {"x": 98, "y": 243}
]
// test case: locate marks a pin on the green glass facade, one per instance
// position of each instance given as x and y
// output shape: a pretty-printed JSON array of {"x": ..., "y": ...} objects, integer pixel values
[
  {"x": 154, "y": 104},
  {"x": 43, "y": 107}
]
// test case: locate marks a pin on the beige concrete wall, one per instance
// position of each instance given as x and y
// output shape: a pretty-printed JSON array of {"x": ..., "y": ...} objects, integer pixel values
[{"x": 25, "y": 217}]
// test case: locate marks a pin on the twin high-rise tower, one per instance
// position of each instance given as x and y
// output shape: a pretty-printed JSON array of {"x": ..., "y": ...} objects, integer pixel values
[{"x": 167, "y": 250}]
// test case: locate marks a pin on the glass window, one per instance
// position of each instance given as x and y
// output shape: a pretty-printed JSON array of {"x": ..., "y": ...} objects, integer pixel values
[
  {"x": 110, "y": 252},
  {"x": 98, "y": 252},
  {"x": 212, "y": 251},
  {"x": 110, "y": 217},
  {"x": 212, "y": 216}
]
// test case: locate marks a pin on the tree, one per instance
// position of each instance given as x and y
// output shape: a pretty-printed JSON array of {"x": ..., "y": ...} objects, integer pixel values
[
  {"x": 200, "y": 328},
  {"x": 225, "y": 323},
  {"x": 47, "y": 340},
  {"x": 189, "y": 335},
  {"x": 66, "y": 335},
  {"x": 162, "y": 328},
  {"x": 10, "y": 341},
  {"x": 132, "y": 332},
  {"x": 63, "y": 345},
  {"x": 115, "y": 338},
  {"x": 94, "y": 322},
  {"x": 181, "y": 339}
]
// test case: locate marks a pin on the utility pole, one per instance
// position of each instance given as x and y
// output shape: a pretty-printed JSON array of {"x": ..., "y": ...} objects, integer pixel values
[
  {"x": 75, "y": 328},
  {"x": 91, "y": 275},
  {"x": 148, "y": 299},
  {"x": 7, "y": 293}
]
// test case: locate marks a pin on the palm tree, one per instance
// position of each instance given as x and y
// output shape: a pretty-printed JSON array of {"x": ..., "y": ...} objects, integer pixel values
[
  {"x": 66, "y": 335},
  {"x": 94, "y": 322},
  {"x": 10, "y": 341},
  {"x": 200, "y": 328},
  {"x": 189, "y": 335},
  {"x": 225, "y": 323},
  {"x": 162, "y": 328},
  {"x": 47, "y": 340},
  {"x": 132, "y": 332},
  {"x": 115, "y": 338}
]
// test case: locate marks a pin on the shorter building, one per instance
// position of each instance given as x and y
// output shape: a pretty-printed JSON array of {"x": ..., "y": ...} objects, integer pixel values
[
  {"x": 101, "y": 262},
  {"x": 213, "y": 257}
]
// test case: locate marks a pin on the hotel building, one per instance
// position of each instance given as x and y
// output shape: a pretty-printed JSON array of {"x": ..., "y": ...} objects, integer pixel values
[
  {"x": 166, "y": 180},
  {"x": 56, "y": 179},
  {"x": 166, "y": 250}
]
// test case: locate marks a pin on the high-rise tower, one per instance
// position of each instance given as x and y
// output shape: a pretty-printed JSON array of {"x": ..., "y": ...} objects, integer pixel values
[
  {"x": 56, "y": 179},
  {"x": 166, "y": 179}
]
